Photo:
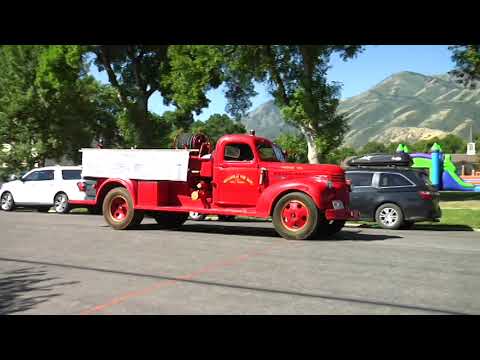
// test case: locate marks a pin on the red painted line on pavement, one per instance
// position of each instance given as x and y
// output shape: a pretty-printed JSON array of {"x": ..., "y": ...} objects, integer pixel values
[{"x": 165, "y": 283}]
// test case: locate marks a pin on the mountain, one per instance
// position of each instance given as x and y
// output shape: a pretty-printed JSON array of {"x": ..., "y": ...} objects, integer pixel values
[
  {"x": 412, "y": 104},
  {"x": 267, "y": 121},
  {"x": 406, "y": 106}
]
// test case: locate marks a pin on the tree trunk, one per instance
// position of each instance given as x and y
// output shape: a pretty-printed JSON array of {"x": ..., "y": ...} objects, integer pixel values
[
  {"x": 143, "y": 124},
  {"x": 312, "y": 154}
]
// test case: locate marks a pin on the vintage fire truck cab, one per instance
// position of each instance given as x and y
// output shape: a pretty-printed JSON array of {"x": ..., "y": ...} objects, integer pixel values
[{"x": 245, "y": 175}]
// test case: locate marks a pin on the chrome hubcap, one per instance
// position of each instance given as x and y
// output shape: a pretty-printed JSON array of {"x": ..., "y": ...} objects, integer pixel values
[
  {"x": 60, "y": 203},
  {"x": 388, "y": 216},
  {"x": 7, "y": 201}
]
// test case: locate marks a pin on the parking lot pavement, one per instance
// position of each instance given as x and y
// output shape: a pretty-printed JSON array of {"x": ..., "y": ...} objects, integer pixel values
[{"x": 76, "y": 264}]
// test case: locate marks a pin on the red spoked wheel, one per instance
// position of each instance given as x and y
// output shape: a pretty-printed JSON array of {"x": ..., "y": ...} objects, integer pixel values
[
  {"x": 118, "y": 209},
  {"x": 295, "y": 216}
]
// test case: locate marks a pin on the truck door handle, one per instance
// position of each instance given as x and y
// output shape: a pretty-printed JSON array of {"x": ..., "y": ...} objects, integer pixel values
[{"x": 263, "y": 173}]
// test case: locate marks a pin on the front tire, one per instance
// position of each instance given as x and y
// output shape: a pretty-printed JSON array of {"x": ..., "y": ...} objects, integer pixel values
[
  {"x": 295, "y": 216},
  {"x": 118, "y": 209},
  {"x": 60, "y": 203},
  {"x": 7, "y": 202},
  {"x": 389, "y": 216}
]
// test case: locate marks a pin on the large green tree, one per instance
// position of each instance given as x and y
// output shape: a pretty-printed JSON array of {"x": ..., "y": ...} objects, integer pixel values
[
  {"x": 467, "y": 59},
  {"x": 49, "y": 107},
  {"x": 139, "y": 71},
  {"x": 295, "y": 75}
]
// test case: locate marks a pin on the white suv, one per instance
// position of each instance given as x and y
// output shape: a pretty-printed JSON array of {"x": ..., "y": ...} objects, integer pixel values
[{"x": 43, "y": 188}]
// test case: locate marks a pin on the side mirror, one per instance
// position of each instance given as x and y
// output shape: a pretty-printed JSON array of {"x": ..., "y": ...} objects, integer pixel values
[{"x": 13, "y": 178}]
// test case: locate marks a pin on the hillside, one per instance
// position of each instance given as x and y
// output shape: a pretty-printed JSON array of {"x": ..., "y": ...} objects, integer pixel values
[
  {"x": 406, "y": 105},
  {"x": 267, "y": 121}
]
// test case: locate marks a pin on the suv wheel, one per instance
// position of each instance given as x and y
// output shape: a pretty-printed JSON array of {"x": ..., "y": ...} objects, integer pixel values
[
  {"x": 389, "y": 216},
  {"x": 60, "y": 203},
  {"x": 7, "y": 202}
]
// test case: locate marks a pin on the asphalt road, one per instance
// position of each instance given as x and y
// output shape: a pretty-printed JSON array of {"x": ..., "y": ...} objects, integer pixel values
[{"x": 75, "y": 264}]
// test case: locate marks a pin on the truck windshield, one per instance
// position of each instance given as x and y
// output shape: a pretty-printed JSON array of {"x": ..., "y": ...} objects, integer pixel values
[{"x": 269, "y": 152}]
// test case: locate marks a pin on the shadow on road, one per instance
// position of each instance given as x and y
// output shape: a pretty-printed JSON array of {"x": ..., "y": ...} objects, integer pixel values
[
  {"x": 219, "y": 228},
  {"x": 25, "y": 288}
]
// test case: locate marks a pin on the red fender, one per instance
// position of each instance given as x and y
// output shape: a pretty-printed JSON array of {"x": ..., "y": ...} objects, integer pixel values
[
  {"x": 130, "y": 185},
  {"x": 313, "y": 188}
]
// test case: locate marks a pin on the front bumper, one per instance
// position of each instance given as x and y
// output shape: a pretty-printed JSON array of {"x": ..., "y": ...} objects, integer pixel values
[{"x": 342, "y": 214}]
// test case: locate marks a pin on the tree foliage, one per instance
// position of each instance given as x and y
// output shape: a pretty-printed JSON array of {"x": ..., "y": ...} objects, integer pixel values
[
  {"x": 295, "y": 146},
  {"x": 467, "y": 59},
  {"x": 218, "y": 125},
  {"x": 136, "y": 72},
  {"x": 296, "y": 77},
  {"x": 48, "y": 106}
]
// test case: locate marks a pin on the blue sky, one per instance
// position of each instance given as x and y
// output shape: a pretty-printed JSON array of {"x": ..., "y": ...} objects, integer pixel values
[{"x": 374, "y": 64}]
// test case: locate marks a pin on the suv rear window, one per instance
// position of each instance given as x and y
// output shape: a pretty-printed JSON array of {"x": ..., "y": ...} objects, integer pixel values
[
  {"x": 360, "y": 179},
  {"x": 71, "y": 174},
  {"x": 388, "y": 180}
]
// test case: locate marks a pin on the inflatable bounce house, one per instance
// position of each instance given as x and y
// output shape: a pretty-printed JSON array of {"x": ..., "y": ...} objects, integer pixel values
[{"x": 442, "y": 171}]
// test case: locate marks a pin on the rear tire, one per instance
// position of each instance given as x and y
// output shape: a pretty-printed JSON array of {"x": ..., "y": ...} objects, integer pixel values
[
  {"x": 60, "y": 203},
  {"x": 389, "y": 216},
  {"x": 118, "y": 209},
  {"x": 7, "y": 202},
  {"x": 295, "y": 216},
  {"x": 170, "y": 220}
]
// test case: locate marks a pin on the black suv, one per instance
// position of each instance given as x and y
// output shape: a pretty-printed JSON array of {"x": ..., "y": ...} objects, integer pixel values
[{"x": 393, "y": 197}]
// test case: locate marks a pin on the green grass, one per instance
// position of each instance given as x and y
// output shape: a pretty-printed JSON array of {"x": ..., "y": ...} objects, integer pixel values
[
  {"x": 459, "y": 200},
  {"x": 79, "y": 211},
  {"x": 469, "y": 217}
]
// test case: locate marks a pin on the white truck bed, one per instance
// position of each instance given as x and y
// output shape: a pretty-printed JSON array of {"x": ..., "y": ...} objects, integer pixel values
[{"x": 139, "y": 164}]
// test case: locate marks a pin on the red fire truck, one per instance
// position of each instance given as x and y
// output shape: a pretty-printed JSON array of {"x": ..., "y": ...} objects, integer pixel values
[{"x": 245, "y": 175}]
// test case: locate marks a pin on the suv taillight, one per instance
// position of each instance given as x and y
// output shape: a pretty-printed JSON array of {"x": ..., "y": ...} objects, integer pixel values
[
  {"x": 81, "y": 186},
  {"x": 426, "y": 195},
  {"x": 349, "y": 184}
]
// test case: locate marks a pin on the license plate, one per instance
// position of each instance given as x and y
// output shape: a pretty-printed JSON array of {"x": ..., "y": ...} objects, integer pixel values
[{"x": 337, "y": 204}]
